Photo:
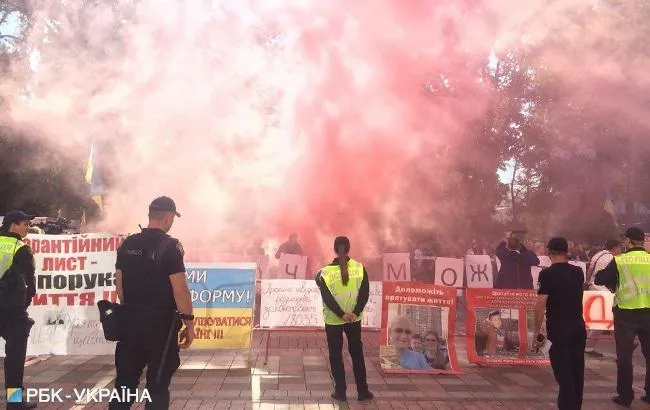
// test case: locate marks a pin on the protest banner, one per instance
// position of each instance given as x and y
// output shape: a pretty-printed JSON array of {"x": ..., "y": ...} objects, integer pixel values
[
  {"x": 222, "y": 300},
  {"x": 478, "y": 271},
  {"x": 410, "y": 309},
  {"x": 292, "y": 266},
  {"x": 297, "y": 303},
  {"x": 597, "y": 309},
  {"x": 449, "y": 272},
  {"x": 500, "y": 327},
  {"x": 396, "y": 266},
  {"x": 73, "y": 273}
]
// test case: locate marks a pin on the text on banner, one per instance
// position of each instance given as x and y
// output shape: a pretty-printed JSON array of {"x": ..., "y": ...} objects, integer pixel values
[
  {"x": 478, "y": 271},
  {"x": 396, "y": 267},
  {"x": 449, "y": 272}
]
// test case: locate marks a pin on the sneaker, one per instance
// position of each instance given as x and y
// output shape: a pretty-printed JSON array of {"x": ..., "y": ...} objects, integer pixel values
[
  {"x": 618, "y": 400},
  {"x": 339, "y": 397},
  {"x": 593, "y": 353},
  {"x": 366, "y": 396}
]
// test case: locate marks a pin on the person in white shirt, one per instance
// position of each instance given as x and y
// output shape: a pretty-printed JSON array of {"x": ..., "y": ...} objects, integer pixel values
[{"x": 598, "y": 262}]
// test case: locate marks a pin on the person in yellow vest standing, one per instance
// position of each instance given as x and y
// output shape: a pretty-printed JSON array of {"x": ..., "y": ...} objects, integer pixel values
[
  {"x": 17, "y": 287},
  {"x": 345, "y": 290},
  {"x": 628, "y": 276}
]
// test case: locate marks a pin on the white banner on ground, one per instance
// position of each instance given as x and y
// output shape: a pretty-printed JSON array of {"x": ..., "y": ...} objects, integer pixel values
[
  {"x": 292, "y": 266},
  {"x": 73, "y": 273},
  {"x": 478, "y": 270},
  {"x": 297, "y": 303},
  {"x": 597, "y": 309},
  {"x": 544, "y": 261},
  {"x": 396, "y": 266},
  {"x": 449, "y": 272}
]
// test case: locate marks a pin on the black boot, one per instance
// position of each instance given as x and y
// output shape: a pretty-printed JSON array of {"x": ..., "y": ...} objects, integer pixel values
[
  {"x": 618, "y": 400},
  {"x": 366, "y": 396},
  {"x": 339, "y": 396}
]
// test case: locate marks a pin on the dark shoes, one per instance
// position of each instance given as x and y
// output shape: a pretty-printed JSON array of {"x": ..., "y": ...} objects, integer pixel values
[
  {"x": 618, "y": 400},
  {"x": 593, "y": 353},
  {"x": 339, "y": 397},
  {"x": 362, "y": 396},
  {"x": 366, "y": 396}
]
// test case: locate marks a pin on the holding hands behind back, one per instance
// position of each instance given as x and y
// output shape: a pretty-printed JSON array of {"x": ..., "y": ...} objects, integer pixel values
[{"x": 350, "y": 317}]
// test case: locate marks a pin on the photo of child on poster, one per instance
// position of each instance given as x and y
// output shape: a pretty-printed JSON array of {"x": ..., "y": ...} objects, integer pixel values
[
  {"x": 416, "y": 337},
  {"x": 497, "y": 332},
  {"x": 500, "y": 328}
]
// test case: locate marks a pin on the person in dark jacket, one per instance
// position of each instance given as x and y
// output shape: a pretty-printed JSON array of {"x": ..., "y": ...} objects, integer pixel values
[
  {"x": 516, "y": 262},
  {"x": 17, "y": 287}
]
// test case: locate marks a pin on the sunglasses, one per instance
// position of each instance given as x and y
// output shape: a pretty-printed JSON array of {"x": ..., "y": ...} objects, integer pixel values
[{"x": 400, "y": 330}]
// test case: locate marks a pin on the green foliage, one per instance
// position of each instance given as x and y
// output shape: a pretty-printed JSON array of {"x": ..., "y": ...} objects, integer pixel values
[{"x": 39, "y": 179}]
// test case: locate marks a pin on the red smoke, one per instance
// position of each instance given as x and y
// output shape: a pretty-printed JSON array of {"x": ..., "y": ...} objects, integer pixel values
[
  {"x": 368, "y": 115},
  {"x": 262, "y": 118}
]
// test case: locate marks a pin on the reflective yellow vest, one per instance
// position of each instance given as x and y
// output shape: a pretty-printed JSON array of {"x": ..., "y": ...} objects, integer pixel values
[
  {"x": 345, "y": 295},
  {"x": 633, "y": 290},
  {"x": 8, "y": 248}
]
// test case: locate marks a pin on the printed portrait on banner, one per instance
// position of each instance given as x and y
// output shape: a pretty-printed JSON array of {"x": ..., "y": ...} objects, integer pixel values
[
  {"x": 417, "y": 329},
  {"x": 501, "y": 327}
]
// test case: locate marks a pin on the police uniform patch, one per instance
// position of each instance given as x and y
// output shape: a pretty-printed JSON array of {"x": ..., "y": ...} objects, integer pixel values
[{"x": 179, "y": 246}]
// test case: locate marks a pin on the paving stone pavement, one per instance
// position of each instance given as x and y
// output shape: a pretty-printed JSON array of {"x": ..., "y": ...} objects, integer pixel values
[{"x": 297, "y": 377}]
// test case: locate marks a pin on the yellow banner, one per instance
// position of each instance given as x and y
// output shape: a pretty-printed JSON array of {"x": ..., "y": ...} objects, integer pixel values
[{"x": 222, "y": 328}]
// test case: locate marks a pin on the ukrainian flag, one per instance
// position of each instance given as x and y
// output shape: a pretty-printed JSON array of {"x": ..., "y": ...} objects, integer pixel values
[
  {"x": 94, "y": 179},
  {"x": 610, "y": 208}
]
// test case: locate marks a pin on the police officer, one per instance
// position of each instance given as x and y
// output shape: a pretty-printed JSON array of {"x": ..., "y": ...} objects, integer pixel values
[
  {"x": 151, "y": 286},
  {"x": 560, "y": 292},
  {"x": 628, "y": 276},
  {"x": 345, "y": 290},
  {"x": 16, "y": 291}
]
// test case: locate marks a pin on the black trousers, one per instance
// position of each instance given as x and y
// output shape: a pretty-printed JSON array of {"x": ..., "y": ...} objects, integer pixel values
[
  {"x": 15, "y": 326},
  {"x": 567, "y": 356},
  {"x": 355, "y": 347},
  {"x": 143, "y": 344},
  {"x": 629, "y": 323}
]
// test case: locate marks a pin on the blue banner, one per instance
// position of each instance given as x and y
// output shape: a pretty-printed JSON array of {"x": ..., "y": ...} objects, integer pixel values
[{"x": 222, "y": 299}]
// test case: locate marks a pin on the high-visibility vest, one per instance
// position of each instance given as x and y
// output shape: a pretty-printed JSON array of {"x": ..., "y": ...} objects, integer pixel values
[
  {"x": 9, "y": 246},
  {"x": 633, "y": 290},
  {"x": 345, "y": 295}
]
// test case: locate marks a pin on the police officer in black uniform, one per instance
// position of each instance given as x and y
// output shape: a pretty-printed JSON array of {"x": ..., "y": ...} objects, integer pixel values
[
  {"x": 152, "y": 289},
  {"x": 17, "y": 287}
]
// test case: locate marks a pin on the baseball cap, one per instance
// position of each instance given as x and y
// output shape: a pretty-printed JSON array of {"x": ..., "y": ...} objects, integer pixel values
[
  {"x": 611, "y": 244},
  {"x": 558, "y": 244},
  {"x": 163, "y": 204},
  {"x": 636, "y": 234},
  {"x": 13, "y": 217}
]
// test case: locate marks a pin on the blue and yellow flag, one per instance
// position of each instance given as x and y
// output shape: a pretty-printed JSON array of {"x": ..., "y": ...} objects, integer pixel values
[
  {"x": 610, "y": 208},
  {"x": 94, "y": 179}
]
